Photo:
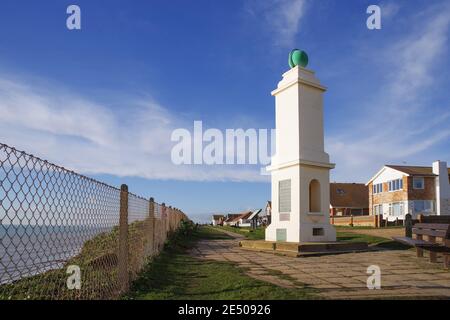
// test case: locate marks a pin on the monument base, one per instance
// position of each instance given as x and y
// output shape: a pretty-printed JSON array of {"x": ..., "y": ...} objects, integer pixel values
[
  {"x": 307, "y": 232},
  {"x": 303, "y": 249}
]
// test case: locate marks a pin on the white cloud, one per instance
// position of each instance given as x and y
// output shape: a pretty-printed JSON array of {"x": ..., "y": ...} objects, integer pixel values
[
  {"x": 92, "y": 138},
  {"x": 400, "y": 124},
  {"x": 282, "y": 18},
  {"x": 389, "y": 9}
]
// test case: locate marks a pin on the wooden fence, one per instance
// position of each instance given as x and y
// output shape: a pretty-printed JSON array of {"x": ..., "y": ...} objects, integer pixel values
[{"x": 361, "y": 221}]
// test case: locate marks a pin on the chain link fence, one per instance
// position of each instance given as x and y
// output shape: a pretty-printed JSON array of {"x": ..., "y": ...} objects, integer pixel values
[{"x": 67, "y": 236}]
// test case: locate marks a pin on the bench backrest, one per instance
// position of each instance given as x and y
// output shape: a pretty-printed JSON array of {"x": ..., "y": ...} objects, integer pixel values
[
  {"x": 440, "y": 230},
  {"x": 434, "y": 219}
]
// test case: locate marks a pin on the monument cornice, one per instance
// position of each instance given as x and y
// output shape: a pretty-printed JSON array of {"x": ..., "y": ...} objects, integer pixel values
[
  {"x": 300, "y": 162},
  {"x": 298, "y": 81}
]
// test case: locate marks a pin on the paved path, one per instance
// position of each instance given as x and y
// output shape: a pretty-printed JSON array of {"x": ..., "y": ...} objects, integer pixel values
[{"x": 340, "y": 276}]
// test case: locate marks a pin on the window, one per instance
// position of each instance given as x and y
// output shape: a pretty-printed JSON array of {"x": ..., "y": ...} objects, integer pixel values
[
  {"x": 423, "y": 206},
  {"x": 378, "y": 209},
  {"x": 377, "y": 188},
  {"x": 318, "y": 232},
  {"x": 396, "y": 209},
  {"x": 284, "y": 196},
  {"x": 281, "y": 235},
  {"x": 418, "y": 183},
  {"x": 314, "y": 196},
  {"x": 395, "y": 185}
]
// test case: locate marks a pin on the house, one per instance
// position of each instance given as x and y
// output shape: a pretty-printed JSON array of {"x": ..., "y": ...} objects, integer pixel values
[
  {"x": 396, "y": 190},
  {"x": 242, "y": 220},
  {"x": 266, "y": 219},
  {"x": 217, "y": 219},
  {"x": 349, "y": 199},
  {"x": 255, "y": 219},
  {"x": 229, "y": 219}
]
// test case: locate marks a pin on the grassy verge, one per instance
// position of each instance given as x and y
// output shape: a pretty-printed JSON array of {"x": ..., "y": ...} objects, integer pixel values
[
  {"x": 251, "y": 234},
  {"x": 366, "y": 227},
  {"x": 176, "y": 275},
  {"x": 97, "y": 261},
  {"x": 342, "y": 235},
  {"x": 377, "y": 242}
]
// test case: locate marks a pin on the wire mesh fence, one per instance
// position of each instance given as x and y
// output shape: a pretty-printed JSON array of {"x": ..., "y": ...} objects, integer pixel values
[{"x": 67, "y": 236}]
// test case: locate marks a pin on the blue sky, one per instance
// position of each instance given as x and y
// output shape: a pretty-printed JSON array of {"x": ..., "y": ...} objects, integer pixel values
[{"x": 104, "y": 100}]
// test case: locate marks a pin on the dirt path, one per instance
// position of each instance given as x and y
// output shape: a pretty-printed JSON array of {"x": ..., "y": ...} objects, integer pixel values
[{"x": 342, "y": 276}]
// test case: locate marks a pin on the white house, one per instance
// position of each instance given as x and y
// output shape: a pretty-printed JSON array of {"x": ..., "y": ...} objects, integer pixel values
[{"x": 396, "y": 190}]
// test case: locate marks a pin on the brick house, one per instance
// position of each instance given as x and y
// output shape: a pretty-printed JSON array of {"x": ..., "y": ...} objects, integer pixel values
[
  {"x": 349, "y": 199},
  {"x": 396, "y": 190}
]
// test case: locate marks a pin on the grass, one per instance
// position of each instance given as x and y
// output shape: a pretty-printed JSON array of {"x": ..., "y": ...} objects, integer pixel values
[
  {"x": 358, "y": 237},
  {"x": 251, "y": 234},
  {"x": 342, "y": 235},
  {"x": 98, "y": 262},
  {"x": 374, "y": 241},
  {"x": 176, "y": 275},
  {"x": 366, "y": 227}
]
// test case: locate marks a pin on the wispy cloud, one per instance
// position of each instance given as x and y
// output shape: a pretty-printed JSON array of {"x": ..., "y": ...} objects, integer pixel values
[
  {"x": 389, "y": 9},
  {"x": 281, "y": 18},
  {"x": 399, "y": 124},
  {"x": 93, "y": 138}
]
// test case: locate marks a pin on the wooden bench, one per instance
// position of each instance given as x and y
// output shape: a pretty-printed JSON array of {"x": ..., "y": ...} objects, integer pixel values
[{"x": 432, "y": 231}]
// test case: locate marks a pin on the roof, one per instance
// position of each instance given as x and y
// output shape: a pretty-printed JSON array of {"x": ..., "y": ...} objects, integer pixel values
[
  {"x": 409, "y": 170},
  {"x": 254, "y": 214},
  {"x": 231, "y": 217},
  {"x": 414, "y": 170},
  {"x": 239, "y": 216},
  {"x": 217, "y": 216},
  {"x": 349, "y": 195}
]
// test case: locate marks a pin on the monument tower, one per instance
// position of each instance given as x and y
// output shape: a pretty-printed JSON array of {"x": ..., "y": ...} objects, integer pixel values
[{"x": 300, "y": 168}]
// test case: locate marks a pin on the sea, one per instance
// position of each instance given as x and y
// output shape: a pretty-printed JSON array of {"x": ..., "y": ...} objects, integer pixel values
[{"x": 30, "y": 250}]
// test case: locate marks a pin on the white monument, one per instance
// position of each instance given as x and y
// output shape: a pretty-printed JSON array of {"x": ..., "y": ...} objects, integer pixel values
[{"x": 300, "y": 168}]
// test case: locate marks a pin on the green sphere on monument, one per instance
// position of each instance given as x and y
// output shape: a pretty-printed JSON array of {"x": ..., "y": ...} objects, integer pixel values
[{"x": 298, "y": 58}]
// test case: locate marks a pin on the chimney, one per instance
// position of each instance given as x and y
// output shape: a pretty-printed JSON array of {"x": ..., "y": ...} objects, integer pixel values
[{"x": 442, "y": 188}]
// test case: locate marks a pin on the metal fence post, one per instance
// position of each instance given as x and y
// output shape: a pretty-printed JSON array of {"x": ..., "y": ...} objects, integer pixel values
[
  {"x": 123, "y": 241},
  {"x": 408, "y": 225}
]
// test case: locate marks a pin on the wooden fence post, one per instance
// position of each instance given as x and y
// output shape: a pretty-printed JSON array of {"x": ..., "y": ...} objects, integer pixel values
[
  {"x": 123, "y": 241},
  {"x": 169, "y": 219},
  {"x": 421, "y": 219},
  {"x": 151, "y": 214},
  {"x": 351, "y": 220},
  {"x": 164, "y": 223}
]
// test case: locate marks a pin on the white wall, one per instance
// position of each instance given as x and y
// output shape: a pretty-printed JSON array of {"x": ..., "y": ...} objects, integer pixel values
[
  {"x": 388, "y": 174},
  {"x": 442, "y": 188},
  {"x": 300, "y": 157}
]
